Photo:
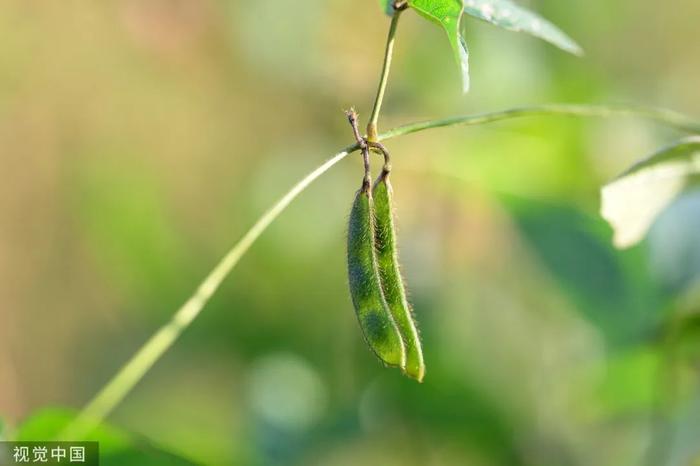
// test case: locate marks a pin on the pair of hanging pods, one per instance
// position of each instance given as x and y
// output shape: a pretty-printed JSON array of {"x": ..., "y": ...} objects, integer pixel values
[{"x": 376, "y": 286}]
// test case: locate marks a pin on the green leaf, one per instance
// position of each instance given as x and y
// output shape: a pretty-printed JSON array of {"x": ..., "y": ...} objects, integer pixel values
[
  {"x": 448, "y": 14},
  {"x": 612, "y": 289},
  {"x": 117, "y": 448},
  {"x": 386, "y": 6},
  {"x": 509, "y": 15},
  {"x": 633, "y": 201}
]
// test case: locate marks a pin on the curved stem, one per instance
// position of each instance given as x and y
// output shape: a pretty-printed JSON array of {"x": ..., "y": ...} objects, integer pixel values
[
  {"x": 386, "y": 67},
  {"x": 380, "y": 148},
  {"x": 129, "y": 375},
  {"x": 117, "y": 388},
  {"x": 666, "y": 117}
]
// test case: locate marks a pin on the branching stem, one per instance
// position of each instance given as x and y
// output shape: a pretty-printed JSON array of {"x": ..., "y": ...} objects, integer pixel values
[{"x": 364, "y": 148}]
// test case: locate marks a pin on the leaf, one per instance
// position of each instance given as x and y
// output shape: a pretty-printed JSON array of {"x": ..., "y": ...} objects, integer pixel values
[
  {"x": 674, "y": 244},
  {"x": 633, "y": 201},
  {"x": 387, "y": 7},
  {"x": 511, "y": 16},
  {"x": 612, "y": 289},
  {"x": 117, "y": 448},
  {"x": 448, "y": 14}
]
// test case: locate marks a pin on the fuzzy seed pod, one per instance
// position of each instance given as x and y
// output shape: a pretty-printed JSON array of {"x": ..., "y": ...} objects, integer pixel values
[
  {"x": 390, "y": 276},
  {"x": 378, "y": 326}
]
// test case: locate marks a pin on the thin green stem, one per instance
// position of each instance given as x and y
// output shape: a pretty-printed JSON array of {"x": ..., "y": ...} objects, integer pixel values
[
  {"x": 129, "y": 375},
  {"x": 665, "y": 117},
  {"x": 117, "y": 388},
  {"x": 384, "y": 79}
]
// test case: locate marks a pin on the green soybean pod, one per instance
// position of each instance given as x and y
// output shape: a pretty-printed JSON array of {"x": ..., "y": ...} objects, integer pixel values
[
  {"x": 390, "y": 275},
  {"x": 378, "y": 326}
]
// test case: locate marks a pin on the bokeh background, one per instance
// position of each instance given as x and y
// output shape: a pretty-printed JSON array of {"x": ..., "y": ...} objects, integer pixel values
[{"x": 139, "y": 140}]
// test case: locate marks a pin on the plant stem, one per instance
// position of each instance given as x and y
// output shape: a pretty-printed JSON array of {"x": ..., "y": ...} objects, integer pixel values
[
  {"x": 665, "y": 117},
  {"x": 362, "y": 144},
  {"x": 129, "y": 375},
  {"x": 117, "y": 388},
  {"x": 386, "y": 67}
]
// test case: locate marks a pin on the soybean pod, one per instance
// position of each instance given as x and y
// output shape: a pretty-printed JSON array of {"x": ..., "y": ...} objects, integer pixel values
[
  {"x": 378, "y": 327},
  {"x": 390, "y": 275}
]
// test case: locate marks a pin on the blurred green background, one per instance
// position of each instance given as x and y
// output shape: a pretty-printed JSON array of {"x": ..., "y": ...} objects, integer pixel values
[{"x": 139, "y": 140}]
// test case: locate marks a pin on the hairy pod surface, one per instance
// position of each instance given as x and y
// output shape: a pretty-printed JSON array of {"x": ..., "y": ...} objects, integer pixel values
[
  {"x": 390, "y": 276},
  {"x": 378, "y": 326}
]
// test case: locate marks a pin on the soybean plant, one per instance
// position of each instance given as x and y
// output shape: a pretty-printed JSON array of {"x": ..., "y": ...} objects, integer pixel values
[{"x": 377, "y": 290}]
